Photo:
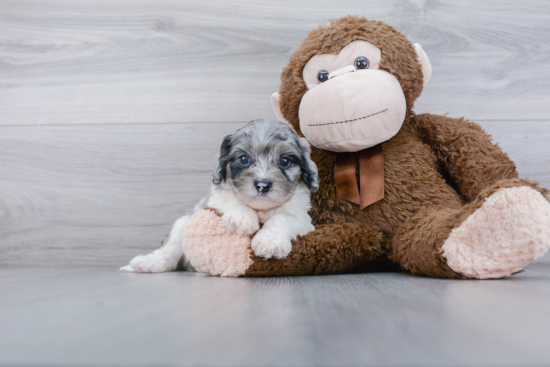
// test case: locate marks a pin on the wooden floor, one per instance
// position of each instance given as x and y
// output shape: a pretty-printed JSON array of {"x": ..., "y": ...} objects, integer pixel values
[
  {"x": 93, "y": 315},
  {"x": 111, "y": 114}
]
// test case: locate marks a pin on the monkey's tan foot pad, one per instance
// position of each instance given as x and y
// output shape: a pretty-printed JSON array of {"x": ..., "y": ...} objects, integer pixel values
[
  {"x": 508, "y": 231},
  {"x": 210, "y": 248}
]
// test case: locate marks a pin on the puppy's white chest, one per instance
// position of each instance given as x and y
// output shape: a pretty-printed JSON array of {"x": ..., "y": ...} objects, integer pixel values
[{"x": 264, "y": 215}]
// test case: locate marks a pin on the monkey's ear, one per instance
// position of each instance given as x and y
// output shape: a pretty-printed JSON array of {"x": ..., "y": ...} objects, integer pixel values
[
  {"x": 277, "y": 107},
  {"x": 424, "y": 62}
]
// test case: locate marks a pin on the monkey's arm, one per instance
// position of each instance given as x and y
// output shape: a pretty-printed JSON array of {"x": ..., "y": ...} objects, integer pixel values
[
  {"x": 330, "y": 249},
  {"x": 472, "y": 161}
]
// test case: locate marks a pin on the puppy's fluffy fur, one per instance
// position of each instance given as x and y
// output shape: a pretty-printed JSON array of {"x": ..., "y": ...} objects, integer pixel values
[{"x": 264, "y": 176}]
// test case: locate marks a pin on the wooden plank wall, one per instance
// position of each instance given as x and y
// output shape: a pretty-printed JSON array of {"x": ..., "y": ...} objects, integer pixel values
[{"x": 111, "y": 112}]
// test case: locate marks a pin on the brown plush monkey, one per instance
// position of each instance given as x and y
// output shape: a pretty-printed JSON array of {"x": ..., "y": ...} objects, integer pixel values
[{"x": 430, "y": 194}]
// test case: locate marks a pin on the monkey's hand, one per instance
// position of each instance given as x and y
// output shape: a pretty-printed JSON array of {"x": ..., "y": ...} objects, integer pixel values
[{"x": 329, "y": 249}]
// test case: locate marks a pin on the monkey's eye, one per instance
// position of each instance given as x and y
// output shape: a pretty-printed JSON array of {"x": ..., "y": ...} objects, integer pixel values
[
  {"x": 244, "y": 159},
  {"x": 361, "y": 62},
  {"x": 322, "y": 76},
  {"x": 284, "y": 162}
]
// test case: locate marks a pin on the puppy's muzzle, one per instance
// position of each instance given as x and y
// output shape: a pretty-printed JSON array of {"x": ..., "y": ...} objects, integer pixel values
[{"x": 263, "y": 186}]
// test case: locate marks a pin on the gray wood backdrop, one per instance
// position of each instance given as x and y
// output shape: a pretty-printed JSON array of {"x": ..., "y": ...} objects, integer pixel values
[{"x": 111, "y": 112}]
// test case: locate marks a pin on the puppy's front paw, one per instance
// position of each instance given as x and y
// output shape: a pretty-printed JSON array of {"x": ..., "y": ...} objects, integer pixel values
[
  {"x": 241, "y": 222},
  {"x": 151, "y": 263},
  {"x": 268, "y": 243}
]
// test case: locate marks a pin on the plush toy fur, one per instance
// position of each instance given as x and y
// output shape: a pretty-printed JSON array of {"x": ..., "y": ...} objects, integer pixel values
[
  {"x": 453, "y": 204},
  {"x": 212, "y": 249}
]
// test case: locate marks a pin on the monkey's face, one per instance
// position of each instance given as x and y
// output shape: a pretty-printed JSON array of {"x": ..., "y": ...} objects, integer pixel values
[
  {"x": 350, "y": 104},
  {"x": 352, "y": 97}
]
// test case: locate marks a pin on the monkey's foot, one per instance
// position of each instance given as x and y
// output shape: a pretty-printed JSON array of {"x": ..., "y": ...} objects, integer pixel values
[{"x": 508, "y": 231}]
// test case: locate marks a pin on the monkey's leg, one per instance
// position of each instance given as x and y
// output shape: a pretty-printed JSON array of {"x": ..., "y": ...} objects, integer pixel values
[
  {"x": 470, "y": 158},
  {"x": 330, "y": 249},
  {"x": 503, "y": 229}
]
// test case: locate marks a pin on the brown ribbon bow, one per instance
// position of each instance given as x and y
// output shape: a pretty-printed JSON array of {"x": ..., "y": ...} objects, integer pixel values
[{"x": 371, "y": 176}]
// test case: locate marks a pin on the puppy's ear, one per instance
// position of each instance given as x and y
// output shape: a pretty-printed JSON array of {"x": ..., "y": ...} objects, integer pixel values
[
  {"x": 308, "y": 167},
  {"x": 220, "y": 174}
]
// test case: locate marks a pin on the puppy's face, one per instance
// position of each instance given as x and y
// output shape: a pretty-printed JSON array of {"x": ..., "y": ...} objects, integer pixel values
[{"x": 264, "y": 162}]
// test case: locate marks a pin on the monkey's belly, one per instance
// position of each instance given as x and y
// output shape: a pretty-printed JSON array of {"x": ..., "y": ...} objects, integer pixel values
[{"x": 412, "y": 182}]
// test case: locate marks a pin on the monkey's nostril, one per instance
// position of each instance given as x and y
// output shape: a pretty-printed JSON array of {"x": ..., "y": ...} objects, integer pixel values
[
  {"x": 262, "y": 186},
  {"x": 342, "y": 71}
]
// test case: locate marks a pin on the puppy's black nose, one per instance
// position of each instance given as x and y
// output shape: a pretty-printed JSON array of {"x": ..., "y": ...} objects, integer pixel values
[{"x": 263, "y": 186}]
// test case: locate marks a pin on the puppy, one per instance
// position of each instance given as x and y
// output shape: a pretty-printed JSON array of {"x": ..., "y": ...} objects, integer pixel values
[{"x": 264, "y": 176}]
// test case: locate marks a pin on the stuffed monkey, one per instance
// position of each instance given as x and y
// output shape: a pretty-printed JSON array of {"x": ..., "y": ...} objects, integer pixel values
[{"x": 430, "y": 194}]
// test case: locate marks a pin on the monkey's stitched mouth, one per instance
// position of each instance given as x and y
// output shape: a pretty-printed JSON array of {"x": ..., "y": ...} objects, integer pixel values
[{"x": 346, "y": 121}]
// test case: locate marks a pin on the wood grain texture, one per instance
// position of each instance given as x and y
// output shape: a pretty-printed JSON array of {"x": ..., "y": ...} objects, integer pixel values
[
  {"x": 161, "y": 61},
  {"x": 111, "y": 113},
  {"x": 527, "y": 143},
  {"x": 101, "y": 194},
  {"x": 95, "y": 316}
]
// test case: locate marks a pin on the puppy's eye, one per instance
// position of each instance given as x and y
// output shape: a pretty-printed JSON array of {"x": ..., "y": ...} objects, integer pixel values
[
  {"x": 284, "y": 162},
  {"x": 361, "y": 62},
  {"x": 244, "y": 159},
  {"x": 322, "y": 76}
]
